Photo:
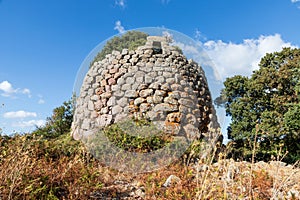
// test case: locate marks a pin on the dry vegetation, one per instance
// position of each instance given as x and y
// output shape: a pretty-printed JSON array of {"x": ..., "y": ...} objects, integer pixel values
[{"x": 35, "y": 167}]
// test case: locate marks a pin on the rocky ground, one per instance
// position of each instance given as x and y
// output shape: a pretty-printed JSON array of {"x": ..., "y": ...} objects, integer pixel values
[{"x": 225, "y": 179}]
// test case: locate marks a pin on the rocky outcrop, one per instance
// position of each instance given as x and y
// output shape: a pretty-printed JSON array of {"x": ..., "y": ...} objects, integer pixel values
[{"x": 155, "y": 82}]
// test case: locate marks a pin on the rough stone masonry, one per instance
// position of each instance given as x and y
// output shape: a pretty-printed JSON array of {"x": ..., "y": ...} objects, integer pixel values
[{"x": 154, "y": 82}]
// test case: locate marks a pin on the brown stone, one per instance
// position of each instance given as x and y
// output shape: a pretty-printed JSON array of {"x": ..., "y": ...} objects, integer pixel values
[
  {"x": 98, "y": 105},
  {"x": 146, "y": 92},
  {"x": 142, "y": 86},
  {"x": 170, "y": 100},
  {"x": 174, "y": 94},
  {"x": 94, "y": 114},
  {"x": 139, "y": 100},
  {"x": 113, "y": 71},
  {"x": 127, "y": 57},
  {"x": 99, "y": 90},
  {"x": 190, "y": 119},
  {"x": 150, "y": 100},
  {"x": 174, "y": 117},
  {"x": 132, "y": 108},
  {"x": 107, "y": 76},
  {"x": 131, "y": 93},
  {"x": 187, "y": 102},
  {"x": 157, "y": 99},
  {"x": 111, "y": 81},
  {"x": 154, "y": 85},
  {"x": 114, "y": 61},
  {"x": 144, "y": 107},
  {"x": 160, "y": 93},
  {"x": 184, "y": 109},
  {"x": 103, "y": 82},
  {"x": 166, "y": 87},
  {"x": 164, "y": 107},
  {"x": 117, "y": 75},
  {"x": 171, "y": 128},
  {"x": 106, "y": 95},
  {"x": 107, "y": 88},
  {"x": 176, "y": 87}
]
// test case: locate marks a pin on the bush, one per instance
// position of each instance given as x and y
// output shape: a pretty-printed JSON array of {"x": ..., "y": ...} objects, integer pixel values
[{"x": 59, "y": 123}]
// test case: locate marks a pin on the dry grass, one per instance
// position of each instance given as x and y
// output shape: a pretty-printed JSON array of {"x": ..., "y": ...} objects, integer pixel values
[{"x": 60, "y": 168}]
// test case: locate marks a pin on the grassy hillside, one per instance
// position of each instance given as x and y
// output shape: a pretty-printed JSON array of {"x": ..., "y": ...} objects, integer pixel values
[{"x": 39, "y": 167}]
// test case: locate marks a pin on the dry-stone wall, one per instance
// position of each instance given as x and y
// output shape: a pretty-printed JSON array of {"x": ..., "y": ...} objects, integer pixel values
[{"x": 154, "y": 82}]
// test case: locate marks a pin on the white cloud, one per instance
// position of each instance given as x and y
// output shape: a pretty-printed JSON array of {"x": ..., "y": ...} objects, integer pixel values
[
  {"x": 199, "y": 36},
  {"x": 41, "y": 99},
  {"x": 8, "y": 90},
  {"x": 119, "y": 27},
  {"x": 229, "y": 59},
  {"x": 296, "y": 1},
  {"x": 27, "y": 92},
  {"x": 232, "y": 59},
  {"x": 188, "y": 49},
  {"x": 165, "y": 1},
  {"x": 120, "y": 3},
  {"x": 19, "y": 114},
  {"x": 30, "y": 123}
]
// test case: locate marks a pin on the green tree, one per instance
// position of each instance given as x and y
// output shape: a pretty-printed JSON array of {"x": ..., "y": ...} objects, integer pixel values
[
  {"x": 130, "y": 40},
  {"x": 60, "y": 122},
  {"x": 264, "y": 108}
]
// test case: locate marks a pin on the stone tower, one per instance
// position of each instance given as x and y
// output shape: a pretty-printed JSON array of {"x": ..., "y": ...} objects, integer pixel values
[{"x": 155, "y": 82}]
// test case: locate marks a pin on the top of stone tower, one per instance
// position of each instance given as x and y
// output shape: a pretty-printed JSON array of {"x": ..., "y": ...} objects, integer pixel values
[
  {"x": 156, "y": 38},
  {"x": 159, "y": 45}
]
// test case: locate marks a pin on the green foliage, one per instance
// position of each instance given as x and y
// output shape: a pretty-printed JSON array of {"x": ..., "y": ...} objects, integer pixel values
[
  {"x": 59, "y": 123},
  {"x": 130, "y": 40},
  {"x": 221, "y": 100},
  {"x": 265, "y": 107},
  {"x": 292, "y": 126},
  {"x": 292, "y": 119},
  {"x": 137, "y": 142},
  {"x": 177, "y": 48}
]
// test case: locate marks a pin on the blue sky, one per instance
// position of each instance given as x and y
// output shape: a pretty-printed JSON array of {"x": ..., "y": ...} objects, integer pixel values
[{"x": 43, "y": 43}]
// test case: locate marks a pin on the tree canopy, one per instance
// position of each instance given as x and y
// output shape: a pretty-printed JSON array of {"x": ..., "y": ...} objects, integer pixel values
[
  {"x": 60, "y": 122},
  {"x": 130, "y": 40},
  {"x": 265, "y": 107}
]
